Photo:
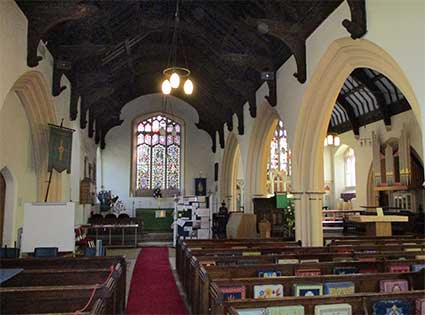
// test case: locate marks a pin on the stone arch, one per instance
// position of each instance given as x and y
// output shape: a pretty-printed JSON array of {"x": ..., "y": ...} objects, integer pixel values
[
  {"x": 229, "y": 169},
  {"x": 33, "y": 92},
  {"x": 9, "y": 205},
  {"x": 341, "y": 58},
  {"x": 258, "y": 152}
]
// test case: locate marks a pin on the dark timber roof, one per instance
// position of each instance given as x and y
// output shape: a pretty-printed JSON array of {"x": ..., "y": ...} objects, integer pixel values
[
  {"x": 366, "y": 96},
  {"x": 113, "y": 51}
]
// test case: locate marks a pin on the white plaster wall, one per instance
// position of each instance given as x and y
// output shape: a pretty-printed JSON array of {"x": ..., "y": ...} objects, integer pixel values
[
  {"x": 15, "y": 133},
  {"x": 116, "y": 157},
  {"x": 16, "y": 154}
]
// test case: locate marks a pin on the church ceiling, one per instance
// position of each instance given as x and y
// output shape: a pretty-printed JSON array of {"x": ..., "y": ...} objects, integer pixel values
[
  {"x": 114, "y": 51},
  {"x": 367, "y": 96}
]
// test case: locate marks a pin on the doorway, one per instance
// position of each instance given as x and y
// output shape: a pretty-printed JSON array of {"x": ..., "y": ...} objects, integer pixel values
[{"x": 2, "y": 205}]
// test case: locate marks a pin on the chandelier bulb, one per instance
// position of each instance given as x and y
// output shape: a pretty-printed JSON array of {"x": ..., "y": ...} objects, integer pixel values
[
  {"x": 188, "y": 87},
  {"x": 166, "y": 87},
  {"x": 175, "y": 80}
]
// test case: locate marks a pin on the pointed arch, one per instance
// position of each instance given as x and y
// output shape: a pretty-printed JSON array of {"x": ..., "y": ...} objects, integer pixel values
[
  {"x": 229, "y": 171},
  {"x": 33, "y": 92},
  {"x": 259, "y": 152},
  {"x": 341, "y": 58}
]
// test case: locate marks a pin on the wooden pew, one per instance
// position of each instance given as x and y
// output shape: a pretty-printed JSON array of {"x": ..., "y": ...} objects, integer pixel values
[
  {"x": 183, "y": 245},
  {"x": 208, "y": 274},
  {"x": 52, "y": 271},
  {"x": 364, "y": 283},
  {"x": 191, "y": 275},
  {"x": 361, "y": 303}
]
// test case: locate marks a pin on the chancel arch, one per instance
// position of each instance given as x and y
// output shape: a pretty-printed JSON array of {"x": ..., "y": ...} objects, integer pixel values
[
  {"x": 342, "y": 57},
  {"x": 259, "y": 152},
  {"x": 231, "y": 183}
]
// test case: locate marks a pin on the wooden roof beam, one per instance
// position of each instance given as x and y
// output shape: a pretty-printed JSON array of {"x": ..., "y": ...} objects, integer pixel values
[{"x": 351, "y": 115}]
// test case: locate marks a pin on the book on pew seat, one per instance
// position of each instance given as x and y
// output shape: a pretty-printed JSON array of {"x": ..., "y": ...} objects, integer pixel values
[
  {"x": 269, "y": 274},
  {"x": 251, "y": 253},
  {"x": 386, "y": 307},
  {"x": 345, "y": 250},
  {"x": 233, "y": 293},
  {"x": 338, "y": 288},
  {"x": 307, "y": 261},
  {"x": 420, "y": 306},
  {"x": 414, "y": 249},
  {"x": 308, "y": 272},
  {"x": 420, "y": 257},
  {"x": 399, "y": 268},
  {"x": 268, "y": 291},
  {"x": 345, "y": 270},
  {"x": 308, "y": 289},
  {"x": 417, "y": 267},
  {"x": 396, "y": 285},
  {"x": 333, "y": 309},
  {"x": 251, "y": 311},
  {"x": 285, "y": 310},
  {"x": 288, "y": 261}
]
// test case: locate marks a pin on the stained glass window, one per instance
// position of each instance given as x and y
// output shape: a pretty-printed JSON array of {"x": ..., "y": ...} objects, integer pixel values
[
  {"x": 279, "y": 168},
  {"x": 158, "y": 154}
]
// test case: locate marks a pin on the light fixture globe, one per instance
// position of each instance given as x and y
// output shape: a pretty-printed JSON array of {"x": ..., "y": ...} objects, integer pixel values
[
  {"x": 175, "y": 80},
  {"x": 337, "y": 141},
  {"x": 188, "y": 87},
  {"x": 330, "y": 139},
  {"x": 166, "y": 87}
]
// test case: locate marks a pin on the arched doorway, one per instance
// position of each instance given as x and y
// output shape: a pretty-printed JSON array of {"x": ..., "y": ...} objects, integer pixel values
[
  {"x": 2, "y": 205},
  {"x": 230, "y": 177},
  {"x": 341, "y": 58}
]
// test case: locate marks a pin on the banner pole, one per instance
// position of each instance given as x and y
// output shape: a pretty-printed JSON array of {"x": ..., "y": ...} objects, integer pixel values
[{"x": 51, "y": 173}]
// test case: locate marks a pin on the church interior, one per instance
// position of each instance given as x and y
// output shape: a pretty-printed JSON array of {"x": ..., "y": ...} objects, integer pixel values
[{"x": 250, "y": 157}]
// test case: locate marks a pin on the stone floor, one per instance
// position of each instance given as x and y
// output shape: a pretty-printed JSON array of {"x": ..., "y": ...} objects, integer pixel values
[{"x": 131, "y": 256}]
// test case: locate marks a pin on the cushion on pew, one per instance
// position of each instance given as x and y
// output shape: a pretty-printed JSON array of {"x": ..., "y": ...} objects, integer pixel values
[
  {"x": 342, "y": 259},
  {"x": 399, "y": 307},
  {"x": 304, "y": 272},
  {"x": 251, "y": 253},
  {"x": 269, "y": 273},
  {"x": 333, "y": 309},
  {"x": 268, "y": 291},
  {"x": 308, "y": 289},
  {"x": 417, "y": 267},
  {"x": 251, "y": 311},
  {"x": 46, "y": 252},
  {"x": 396, "y": 285},
  {"x": 399, "y": 268},
  {"x": 233, "y": 293},
  {"x": 285, "y": 310},
  {"x": 338, "y": 288},
  {"x": 288, "y": 261},
  {"x": 420, "y": 306},
  {"x": 345, "y": 270},
  {"x": 368, "y": 270}
]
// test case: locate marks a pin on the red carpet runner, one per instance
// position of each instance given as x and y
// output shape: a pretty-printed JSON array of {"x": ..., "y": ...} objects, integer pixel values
[{"x": 153, "y": 289}]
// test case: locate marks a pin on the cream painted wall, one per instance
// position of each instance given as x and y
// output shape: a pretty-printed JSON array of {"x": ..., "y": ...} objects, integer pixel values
[
  {"x": 16, "y": 154},
  {"x": 15, "y": 133},
  {"x": 116, "y": 157},
  {"x": 364, "y": 153}
]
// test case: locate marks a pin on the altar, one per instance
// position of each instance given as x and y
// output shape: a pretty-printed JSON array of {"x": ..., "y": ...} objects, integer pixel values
[{"x": 378, "y": 225}]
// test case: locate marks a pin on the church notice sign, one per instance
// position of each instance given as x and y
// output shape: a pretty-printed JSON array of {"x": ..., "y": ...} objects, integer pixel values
[{"x": 60, "y": 146}]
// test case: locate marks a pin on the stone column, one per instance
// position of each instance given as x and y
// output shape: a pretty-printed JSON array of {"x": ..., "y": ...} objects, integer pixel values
[
  {"x": 300, "y": 222},
  {"x": 315, "y": 217}
]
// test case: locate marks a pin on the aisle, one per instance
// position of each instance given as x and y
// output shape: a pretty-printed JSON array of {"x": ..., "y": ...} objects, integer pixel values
[{"x": 153, "y": 289}]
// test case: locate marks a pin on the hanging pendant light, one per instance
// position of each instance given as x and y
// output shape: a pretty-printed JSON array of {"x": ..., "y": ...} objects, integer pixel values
[
  {"x": 175, "y": 80},
  {"x": 166, "y": 87},
  {"x": 188, "y": 87}
]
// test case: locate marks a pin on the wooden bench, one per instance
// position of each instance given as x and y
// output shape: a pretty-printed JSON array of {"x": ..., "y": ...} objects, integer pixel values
[
  {"x": 197, "y": 262},
  {"x": 208, "y": 274},
  {"x": 43, "y": 278},
  {"x": 364, "y": 283},
  {"x": 361, "y": 303}
]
